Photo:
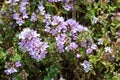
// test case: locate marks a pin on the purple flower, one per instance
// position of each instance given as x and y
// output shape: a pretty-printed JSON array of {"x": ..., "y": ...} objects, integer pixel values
[
  {"x": 53, "y": 32},
  {"x": 47, "y": 28},
  {"x": 89, "y": 50},
  {"x": 27, "y": 33},
  {"x": 108, "y": 1},
  {"x": 23, "y": 7},
  {"x": 71, "y": 46},
  {"x": 94, "y": 47},
  {"x": 47, "y": 19},
  {"x": 57, "y": 20},
  {"x": 64, "y": 32},
  {"x": 20, "y": 21},
  {"x": 78, "y": 55},
  {"x": 71, "y": 23},
  {"x": 53, "y": 0},
  {"x": 83, "y": 43},
  {"x": 33, "y": 17},
  {"x": 68, "y": 7},
  {"x": 60, "y": 40},
  {"x": 10, "y": 70},
  {"x": 41, "y": 8},
  {"x": 16, "y": 16},
  {"x": 32, "y": 44},
  {"x": 23, "y": 12},
  {"x": 86, "y": 65},
  {"x": 25, "y": 16},
  {"x": 18, "y": 64}
]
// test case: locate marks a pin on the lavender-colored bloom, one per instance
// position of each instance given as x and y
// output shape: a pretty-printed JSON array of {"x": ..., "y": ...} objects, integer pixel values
[
  {"x": 41, "y": 8},
  {"x": 53, "y": 32},
  {"x": 25, "y": 16},
  {"x": 68, "y": 7},
  {"x": 57, "y": 19},
  {"x": 94, "y": 46},
  {"x": 10, "y": 70},
  {"x": 54, "y": 0},
  {"x": 71, "y": 46},
  {"x": 78, "y": 55},
  {"x": 86, "y": 65},
  {"x": 108, "y": 1},
  {"x": 20, "y": 22},
  {"x": 33, "y": 17},
  {"x": 80, "y": 28},
  {"x": 83, "y": 43},
  {"x": 47, "y": 29},
  {"x": 100, "y": 41},
  {"x": 74, "y": 28},
  {"x": 18, "y": 19},
  {"x": 16, "y": 16},
  {"x": 71, "y": 22},
  {"x": 28, "y": 33},
  {"x": 32, "y": 44},
  {"x": 23, "y": 7},
  {"x": 61, "y": 27},
  {"x": 61, "y": 48},
  {"x": 60, "y": 40},
  {"x": 47, "y": 19},
  {"x": 89, "y": 1},
  {"x": 18, "y": 64},
  {"x": 89, "y": 50}
]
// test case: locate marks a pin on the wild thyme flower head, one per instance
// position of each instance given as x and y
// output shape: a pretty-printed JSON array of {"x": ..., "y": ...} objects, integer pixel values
[
  {"x": 86, "y": 66},
  {"x": 27, "y": 33},
  {"x": 11, "y": 67},
  {"x": 31, "y": 43},
  {"x": 10, "y": 70},
  {"x": 62, "y": 30},
  {"x": 33, "y": 17},
  {"x": 41, "y": 8},
  {"x": 60, "y": 40},
  {"x": 18, "y": 64},
  {"x": 71, "y": 46}
]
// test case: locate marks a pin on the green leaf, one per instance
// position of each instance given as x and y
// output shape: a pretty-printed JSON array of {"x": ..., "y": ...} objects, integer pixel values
[
  {"x": 15, "y": 58},
  {"x": 93, "y": 59}
]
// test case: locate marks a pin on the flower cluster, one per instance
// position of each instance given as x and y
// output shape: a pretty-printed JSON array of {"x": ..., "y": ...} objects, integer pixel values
[
  {"x": 31, "y": 43},
  {"x": 41, "y": 11},
  {"x": 41, "y": 8},
  {"x": 19, "y": 17},
  {"x": 89, "y": 45},
  {"x": 60, "y": 28},
  {"x": 11, "y": 67},
  {"x": 86, "y": 65}
]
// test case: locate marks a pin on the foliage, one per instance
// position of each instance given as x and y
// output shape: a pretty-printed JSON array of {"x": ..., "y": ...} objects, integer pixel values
[{"x": 59, "y": 39}]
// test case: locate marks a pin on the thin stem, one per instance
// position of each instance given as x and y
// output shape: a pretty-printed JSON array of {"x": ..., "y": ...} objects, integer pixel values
[{"x": 56, "y": 8}]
